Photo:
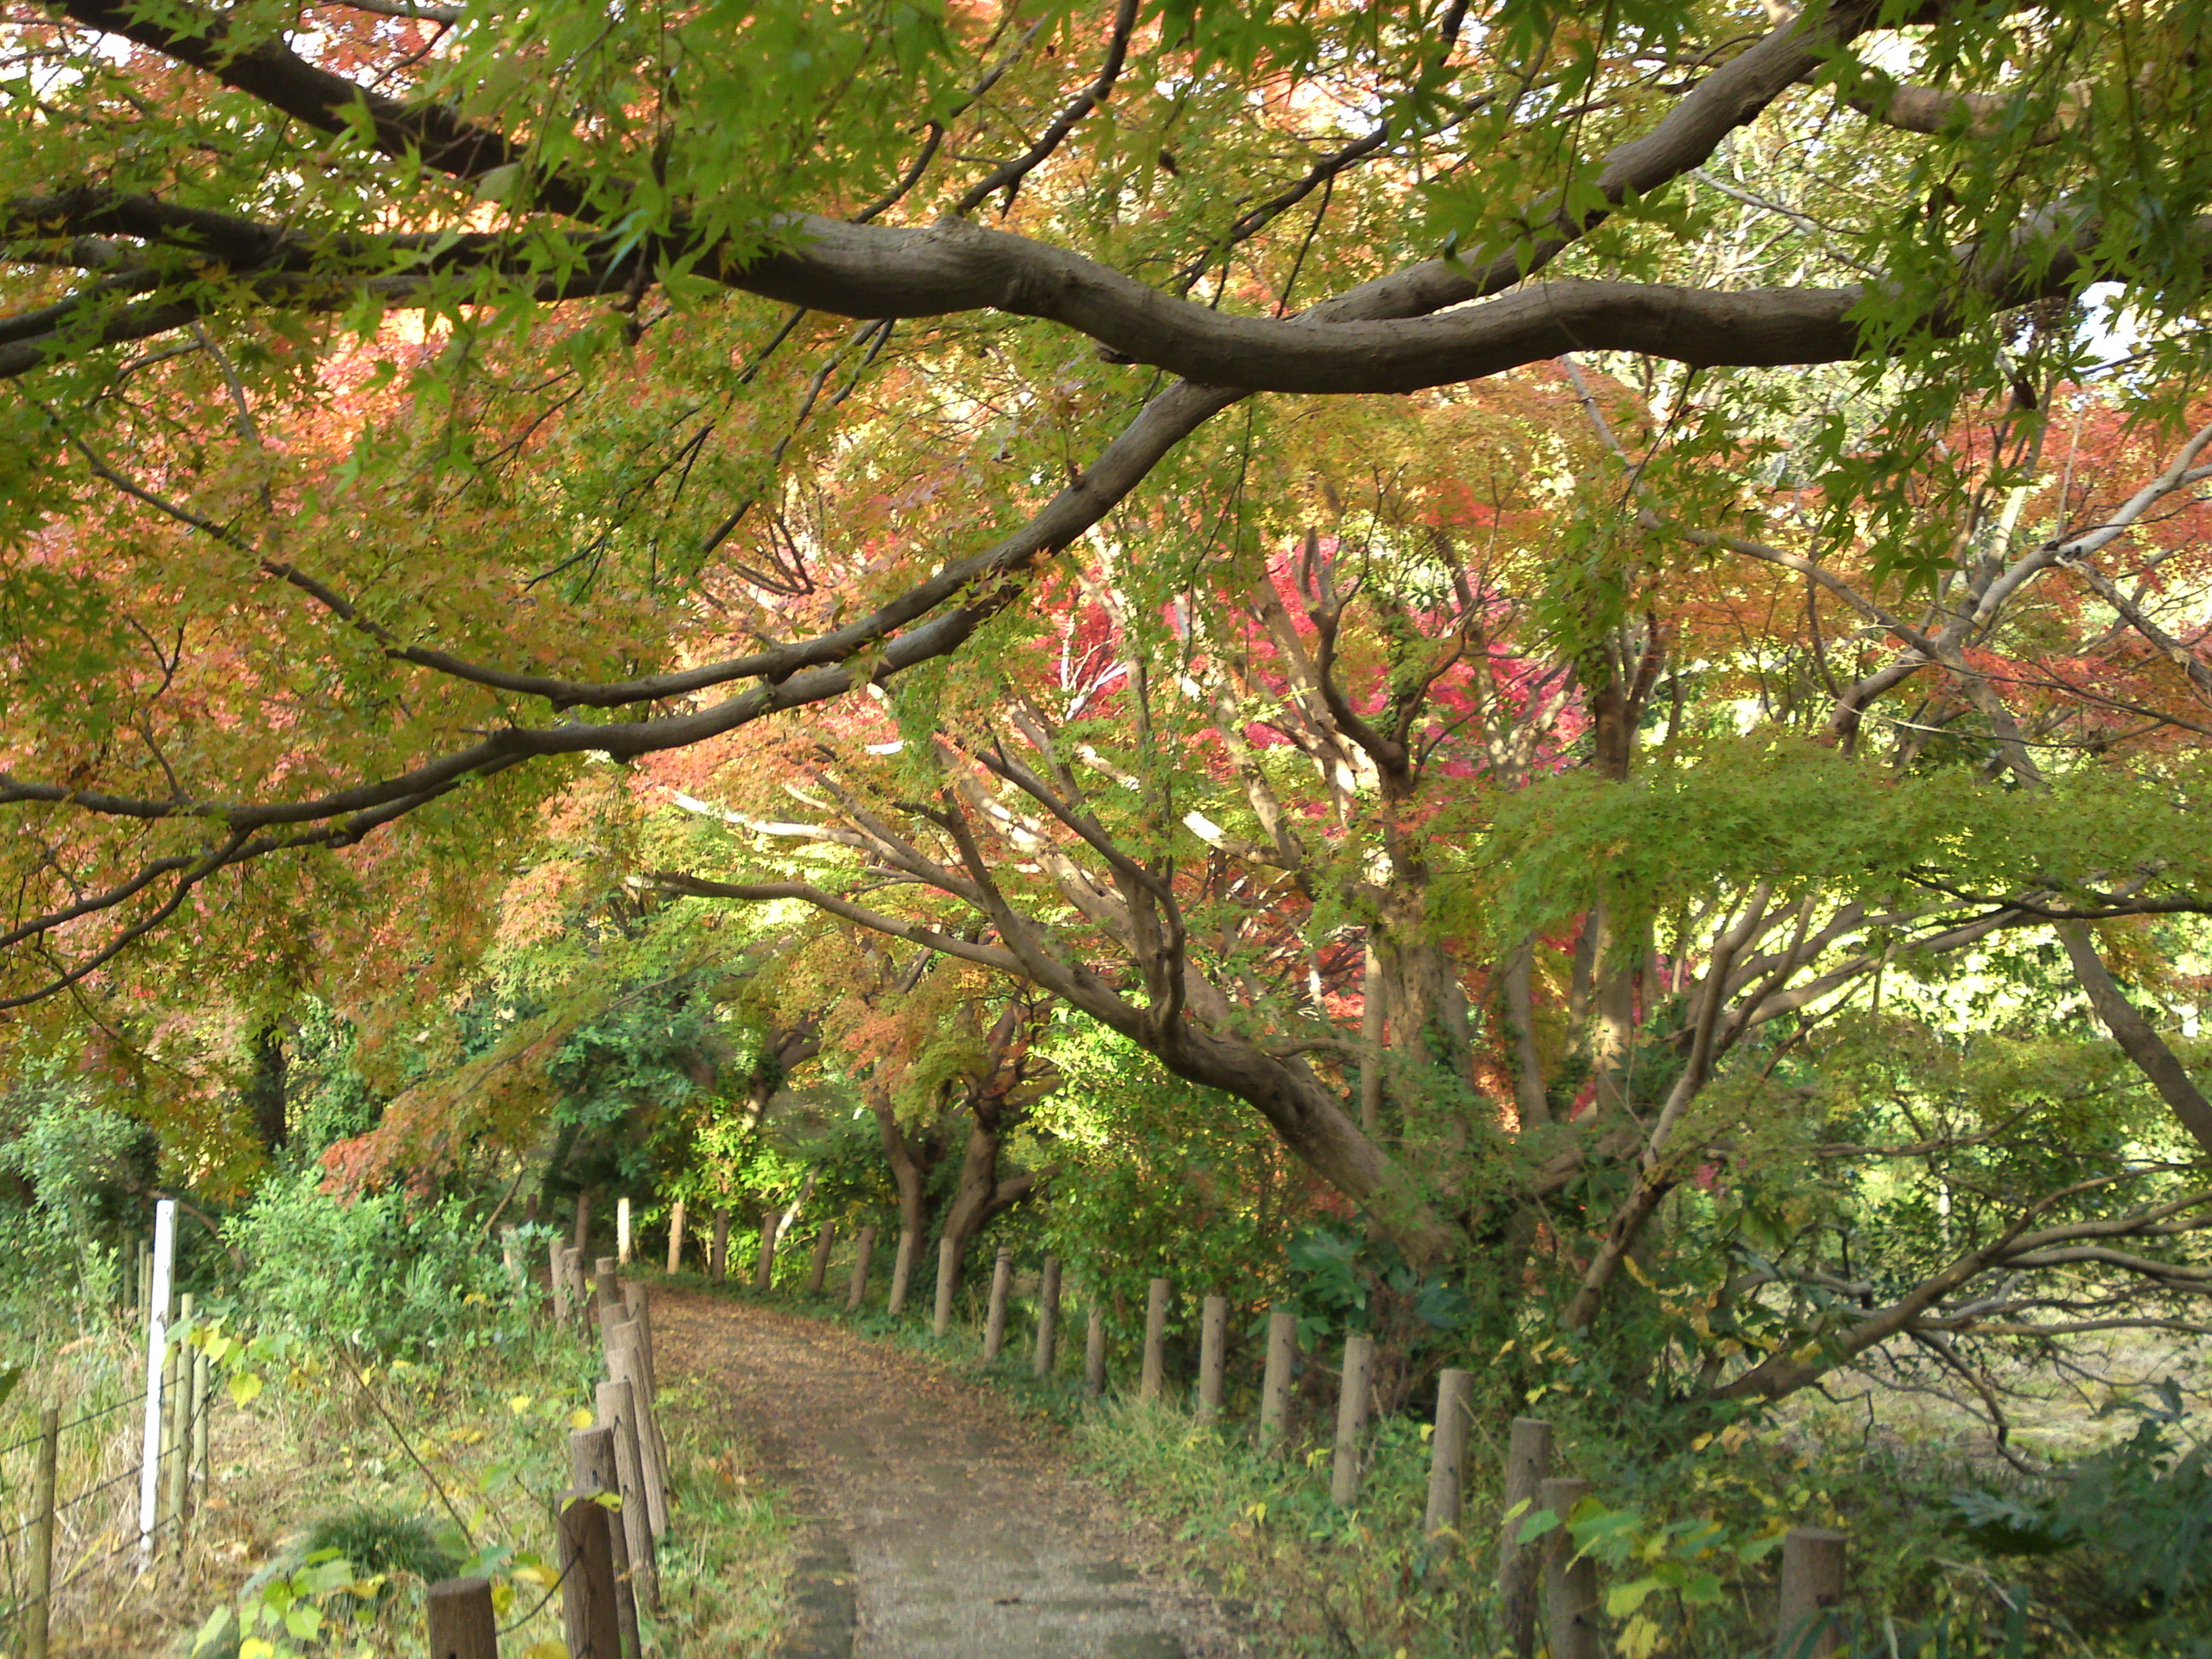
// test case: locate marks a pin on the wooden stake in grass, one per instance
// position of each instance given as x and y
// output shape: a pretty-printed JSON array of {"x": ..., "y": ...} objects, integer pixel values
[
  {"x": 1571, "y": 1612},
  {"x": 462, "y": 1622},
  {"x": 856, "y": 1292},
  {"x": 624, "y": 1364},
  {"x": 617, "y": 1405},
  {"x": 1094, "y": 1350},
  {"x": 39, "y": 1591},
  {"x": 180, "y": 1413},
  {"x": 718, "y": 1253},
  {"x": 1212, "y": 1356},
  {"x": 582, "y": 1236},
  {"x": 606, "y": 1285},
  {"x": 1811, "y": 1588},
  {"x": 1521, "y": 1566},
  {"x": 557, "y": 1269},
  {"x": 1153, "y": 1376},
  {"x": 676, "y": 1235},
  {"x": 580, "y": 1291},
  {"x": 765, "y": 1268},
  {"x": 1354, "y": 1394},
  {"x": 1047, "y": 1329},
  {"x": 1275, "y": 1382},
  {"x": 994, "y": 1323},
  {"x": 902, "y": 1272},
  {"x": 640, "y": 1309},
  {"x": 200, "y": 1404},
  {"x": 591, "y": 1469},
  {"x": 824, "y": 1242},
  {"x": 1448, "y": 1450},
  {"x": 637, "y": 1308},
  {"x": 621, "y": 1231},
  {"x": 588, "y": 1615}
]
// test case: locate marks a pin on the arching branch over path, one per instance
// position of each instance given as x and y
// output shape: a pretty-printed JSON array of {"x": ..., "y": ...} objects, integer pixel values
[{"x": 369, "y": 166}]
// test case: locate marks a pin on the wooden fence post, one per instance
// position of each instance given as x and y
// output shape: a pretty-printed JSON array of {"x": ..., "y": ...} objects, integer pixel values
[
  {"x": 718, "y": 1253},
  {"x": 637, "y": 1308},
  {"x": 606, "y": 1285},
  {"x": 639, "y": 1305},
  {"x": 995, "y": 1324},
  {"x": 621, "y": 1231},
  {"x": 579, "y": 1289},
  {"x": 197, "y": 1480},
  {"x": 948, "y": 1280},
  {"x": 589, "y": 1617},
  {"x": 180, "y": 1468},
  {"x": 1355, "y": 1388},
  {"x": 825, "y": 1240},
  {"x": 592, "y": 1468},
  {"x": 556, "y": 1275},
  {"x": 1811, "y": 1586},
  {"x": 1521, "y": 1566},
  {"x": 1047, "y": 1329},
  {"x": 624, "y": 1365},
  {"x": 1212, "y": 1356},
  {"x": 856, "y": 1292},
  {"x": 582, "y": 1236},
  {"x": 462, "y": 1622},
  {"x": 1153, "y": 1374},
  {"x": 618, "y": 1404},
  {"x": 764, "y": 1269},
  {"x": 171, "y": 1516},
  {"x": 1275, "y": 1382},
  {"x": 1094, "y": 1350},
  {"x": 902, "y": 1270},
  {"x": 1448, "y": 1450},
  {"x": 1571, "y": 1598},
  {"x": 40, "y": 1590},
  {"x": 676, "y": 1235}
]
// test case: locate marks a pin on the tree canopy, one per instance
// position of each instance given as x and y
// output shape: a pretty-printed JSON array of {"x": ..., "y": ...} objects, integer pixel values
[
  {"x": 1593, "y": 622},
  {"x": 406, "y": 393}
]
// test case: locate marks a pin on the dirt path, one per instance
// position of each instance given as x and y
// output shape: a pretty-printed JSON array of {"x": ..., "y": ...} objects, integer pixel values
[{"x": 958, "y": 1526}]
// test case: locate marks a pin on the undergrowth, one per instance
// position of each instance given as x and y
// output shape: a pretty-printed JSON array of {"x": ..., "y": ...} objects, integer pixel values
[{"x": 342, "y": 1482}]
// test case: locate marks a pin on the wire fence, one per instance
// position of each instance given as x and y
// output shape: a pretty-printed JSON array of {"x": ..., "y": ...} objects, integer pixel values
[
  {"x": 106, "y": 1540},
  {"x": 92, "y": 1416},
  {"x": 180, "y": 1446}
]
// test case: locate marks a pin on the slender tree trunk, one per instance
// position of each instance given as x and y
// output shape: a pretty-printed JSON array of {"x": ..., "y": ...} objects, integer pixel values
[
  {"x": 910, "y": 1164},
  {"x": 2134, "y": 1034},
  {"x": 265, "y": 1088},
  {"x": 1374, "y": 1033},
  {"x": 981, "y": 1194}
]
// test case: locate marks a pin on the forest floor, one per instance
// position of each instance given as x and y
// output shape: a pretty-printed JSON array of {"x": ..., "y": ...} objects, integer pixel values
[{"x": 944, "y": 1525}]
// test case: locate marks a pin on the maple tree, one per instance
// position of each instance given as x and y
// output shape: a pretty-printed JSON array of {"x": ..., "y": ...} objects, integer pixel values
[
  {"x": 1112, "y": 460},
  {"x": 1538, "y": 890}
]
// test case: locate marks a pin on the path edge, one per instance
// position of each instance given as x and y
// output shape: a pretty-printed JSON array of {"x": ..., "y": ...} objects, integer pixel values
[{"x": 822, "y": 1595}]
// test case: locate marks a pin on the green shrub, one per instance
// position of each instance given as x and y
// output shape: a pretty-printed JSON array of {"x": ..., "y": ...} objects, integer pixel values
[
  {"x": 396, "y": 1275},
  {"x": 2122, "y": 1539},
  {"x": 374, "y": 1538}
]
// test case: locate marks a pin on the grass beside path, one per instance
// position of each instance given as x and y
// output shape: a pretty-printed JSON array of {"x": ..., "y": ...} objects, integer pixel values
[{"x": 414, "y": 1471}]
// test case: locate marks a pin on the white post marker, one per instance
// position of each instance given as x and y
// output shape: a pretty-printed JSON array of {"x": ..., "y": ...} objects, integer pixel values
[
  {"x": 157, "y": 1348},
  {"x": 621, "y": 1231}
]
